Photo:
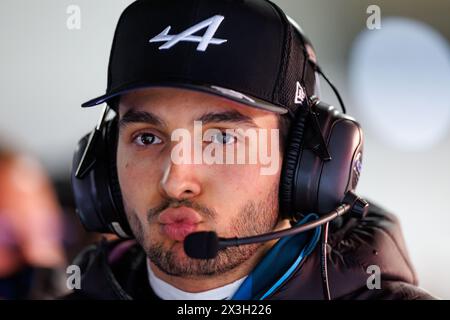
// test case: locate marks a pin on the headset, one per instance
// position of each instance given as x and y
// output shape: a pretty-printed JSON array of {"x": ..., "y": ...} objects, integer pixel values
[{"x": 320, "y": 171}]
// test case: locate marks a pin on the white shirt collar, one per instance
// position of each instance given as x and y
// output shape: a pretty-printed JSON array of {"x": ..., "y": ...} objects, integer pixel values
[{"x": 166, "y": 291}]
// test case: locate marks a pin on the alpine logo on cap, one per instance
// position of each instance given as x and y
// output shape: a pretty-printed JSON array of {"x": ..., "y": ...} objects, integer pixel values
[{"x": 212, "y": 23}]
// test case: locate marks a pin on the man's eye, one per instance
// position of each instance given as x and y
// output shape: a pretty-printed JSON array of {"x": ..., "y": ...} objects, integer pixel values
[
  {"x": 223, "y": 138},
  {"x": 145, "y": 139}
]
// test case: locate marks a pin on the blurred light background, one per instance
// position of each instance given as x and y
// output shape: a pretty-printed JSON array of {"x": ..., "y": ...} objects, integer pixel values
[{"x": 395, "y": 80}]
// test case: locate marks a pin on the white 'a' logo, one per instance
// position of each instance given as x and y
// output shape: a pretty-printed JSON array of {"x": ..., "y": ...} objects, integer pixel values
[{"x": 212, "y": 23}]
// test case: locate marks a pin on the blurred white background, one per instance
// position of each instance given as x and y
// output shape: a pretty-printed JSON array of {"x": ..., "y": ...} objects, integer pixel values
[{"x": 395, "y": 80}]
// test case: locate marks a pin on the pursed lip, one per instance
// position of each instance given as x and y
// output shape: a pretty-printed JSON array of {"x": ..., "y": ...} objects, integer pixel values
[{"x": 178, "y": 223}]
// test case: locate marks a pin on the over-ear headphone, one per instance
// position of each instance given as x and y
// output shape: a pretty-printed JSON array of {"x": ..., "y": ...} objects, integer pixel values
[
  {"x": 323, "y": 158},
  {"x": 322, "y": 162},
  {"x": 95, "y": 182}
]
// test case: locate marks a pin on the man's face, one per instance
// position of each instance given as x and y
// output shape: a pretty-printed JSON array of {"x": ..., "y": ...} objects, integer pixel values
[{"x": 165, "y": 200}]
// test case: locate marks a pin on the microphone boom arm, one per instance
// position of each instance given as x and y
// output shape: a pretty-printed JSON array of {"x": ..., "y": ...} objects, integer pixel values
[{"x": 339, "y": 211}]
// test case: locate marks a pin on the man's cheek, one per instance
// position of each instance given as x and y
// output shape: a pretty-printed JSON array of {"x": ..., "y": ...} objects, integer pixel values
[
  {"x": 235, "y": 175},
  {"x": 154, "y": 232},
  {"x": 134, "y": 180}
]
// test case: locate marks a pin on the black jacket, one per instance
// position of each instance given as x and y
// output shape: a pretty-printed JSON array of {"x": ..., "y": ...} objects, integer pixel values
[{"x": 117, "y": 270}]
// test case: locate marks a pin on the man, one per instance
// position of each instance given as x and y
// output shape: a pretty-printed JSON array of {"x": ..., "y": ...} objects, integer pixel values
[{"x": 206, "y": 95}]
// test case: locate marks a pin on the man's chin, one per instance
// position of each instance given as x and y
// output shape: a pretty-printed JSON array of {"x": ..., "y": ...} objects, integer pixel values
[
  {"x": 173, "y": 248},
  {"x": 173, "y": 261},
  {"x": 177, "y": 249}
]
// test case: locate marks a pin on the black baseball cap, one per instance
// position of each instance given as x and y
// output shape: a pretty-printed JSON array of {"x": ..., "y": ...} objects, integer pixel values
[{"x": 243, "y": 50}]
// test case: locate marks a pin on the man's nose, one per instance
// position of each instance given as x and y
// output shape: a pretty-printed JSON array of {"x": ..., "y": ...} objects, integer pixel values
[{"x": 180, "y": 181}]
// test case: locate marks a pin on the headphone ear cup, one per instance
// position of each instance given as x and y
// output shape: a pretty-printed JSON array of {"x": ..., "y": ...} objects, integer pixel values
[
  {"x": 341, "y": 174},
  {"x": 82, "y": 187},
  {"x": 97, "y": 191},
  {"x": 112, "y": 136},
  {"x": 312, "y": 184},
  {"x": 292, "y": 157}
]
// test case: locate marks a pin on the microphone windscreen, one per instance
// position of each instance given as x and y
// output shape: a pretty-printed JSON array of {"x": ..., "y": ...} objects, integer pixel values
[{"x": 202, "y": 245}]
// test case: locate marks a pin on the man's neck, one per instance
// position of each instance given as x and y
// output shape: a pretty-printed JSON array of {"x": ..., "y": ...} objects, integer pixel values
[{"x": 200, "y": 284}]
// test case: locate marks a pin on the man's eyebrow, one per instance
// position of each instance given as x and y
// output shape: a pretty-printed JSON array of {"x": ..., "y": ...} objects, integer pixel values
[
  {"x": 227, "y": 116},
  {"x": 135, "y": 116}
]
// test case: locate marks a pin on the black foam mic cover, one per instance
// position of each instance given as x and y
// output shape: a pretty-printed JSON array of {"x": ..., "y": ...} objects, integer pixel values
[{"x": 202, "y": 245}]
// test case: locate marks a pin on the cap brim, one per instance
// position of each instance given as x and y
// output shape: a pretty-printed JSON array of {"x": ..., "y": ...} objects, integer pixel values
[{"x": 211, "y": 89}]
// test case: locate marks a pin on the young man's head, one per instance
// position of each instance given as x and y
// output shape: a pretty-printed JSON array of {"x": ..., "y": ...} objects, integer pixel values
[
  {"x": 166, "y": 199},
  {"x": 239, "y": 69}
]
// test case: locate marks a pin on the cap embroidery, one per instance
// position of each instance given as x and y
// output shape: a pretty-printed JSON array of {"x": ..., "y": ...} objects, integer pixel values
[{"x": 212, "y": 23}]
